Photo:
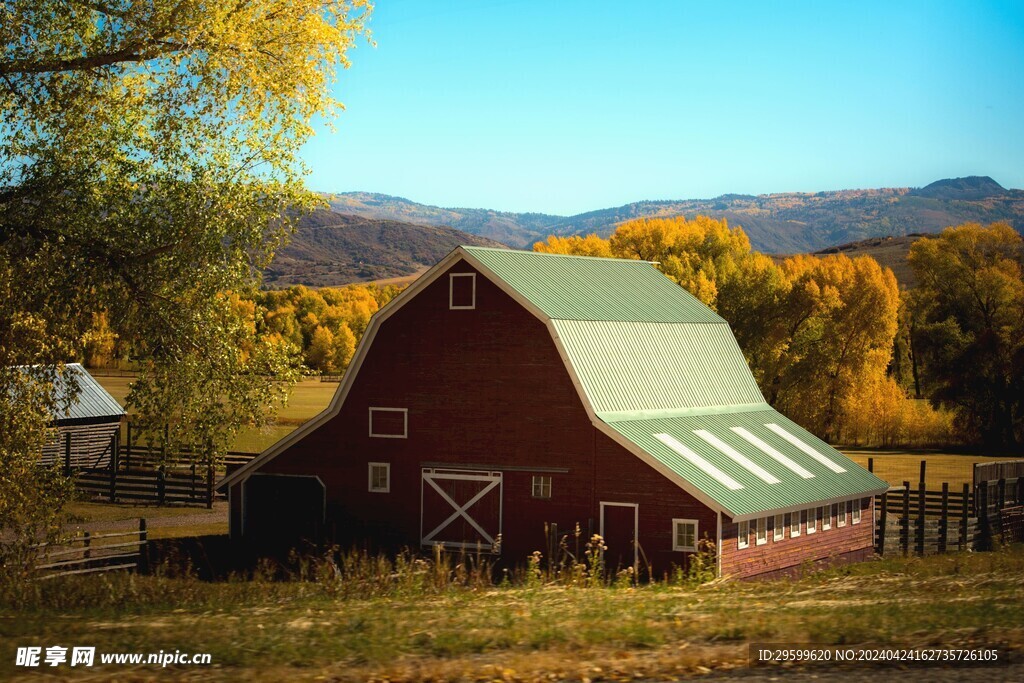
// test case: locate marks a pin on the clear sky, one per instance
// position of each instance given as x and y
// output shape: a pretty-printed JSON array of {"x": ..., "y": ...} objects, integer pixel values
[{"x": 563, "y": 106}]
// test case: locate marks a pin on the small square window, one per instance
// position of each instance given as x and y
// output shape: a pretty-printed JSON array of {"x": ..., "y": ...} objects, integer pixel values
[
  {"x": 684, "y": 535},
  {"x": 794, "y": 524},
  {"x": 743, "y": 535},
  {"x": 825, "y": 511},
  {"x": 380, "y": 477},
  {"x": 856, "y": 511},
  {"x": 780, "y": 528},
  {"x": 762, "y": 530},
  {"x": 461, "y": 291},
  {"x": 541, "y": 486}
]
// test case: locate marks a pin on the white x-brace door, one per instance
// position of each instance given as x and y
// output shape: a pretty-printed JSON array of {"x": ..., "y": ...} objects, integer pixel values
[{"x": 460, "y": 508}]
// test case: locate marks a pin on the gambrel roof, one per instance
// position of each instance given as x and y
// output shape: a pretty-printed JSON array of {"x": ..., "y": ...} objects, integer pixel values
[{"x": 661, "y": 374}]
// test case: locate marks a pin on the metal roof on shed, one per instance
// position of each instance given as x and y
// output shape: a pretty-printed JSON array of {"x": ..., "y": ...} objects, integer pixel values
[
  {"x": 91, "y": 403},
  {"x": 587, "y": 288}
]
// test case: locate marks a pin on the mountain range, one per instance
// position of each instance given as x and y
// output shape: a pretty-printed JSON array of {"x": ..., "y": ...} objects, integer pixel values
[{"x": 780, "y": 223}]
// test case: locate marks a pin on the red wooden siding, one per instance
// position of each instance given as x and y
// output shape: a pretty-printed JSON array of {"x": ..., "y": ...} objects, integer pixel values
[{"x": 851, "y": 542}]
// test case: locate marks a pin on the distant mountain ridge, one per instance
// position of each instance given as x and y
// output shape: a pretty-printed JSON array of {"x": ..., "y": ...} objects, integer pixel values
[
  {"x": 330, "y": 249},
  {"x": 780, "y": 223}
]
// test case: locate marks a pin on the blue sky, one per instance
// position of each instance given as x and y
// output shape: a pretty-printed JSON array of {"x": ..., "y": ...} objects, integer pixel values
[{"x": 564, "y": 106}]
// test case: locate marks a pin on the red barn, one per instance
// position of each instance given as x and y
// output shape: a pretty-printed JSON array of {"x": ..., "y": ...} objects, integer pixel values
[{"x": 506, "y": 389}]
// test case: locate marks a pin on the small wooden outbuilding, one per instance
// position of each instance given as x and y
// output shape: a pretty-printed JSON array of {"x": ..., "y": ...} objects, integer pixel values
[
  {"x": 506, "y": 392},
  {"x": 88, "y": 427}
]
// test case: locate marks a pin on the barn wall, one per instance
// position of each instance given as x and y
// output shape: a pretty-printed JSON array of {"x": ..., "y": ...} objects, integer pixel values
[
  {"x": 90, "y": 444},
  {"x": 622, "y": 477},
  {"x": 483, "y": 387},
  {"x": 852, "y": 542}
]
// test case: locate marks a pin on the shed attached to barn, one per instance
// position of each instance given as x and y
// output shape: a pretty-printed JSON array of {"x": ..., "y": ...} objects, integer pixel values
[
  {"x": 506, "y": 391},
  {"x": 88, "y": 426}
]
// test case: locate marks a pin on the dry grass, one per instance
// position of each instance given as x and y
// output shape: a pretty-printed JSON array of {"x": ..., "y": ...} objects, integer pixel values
[
  {"x": 899, "y": 466},
  {"x": 300, "y": 630}
]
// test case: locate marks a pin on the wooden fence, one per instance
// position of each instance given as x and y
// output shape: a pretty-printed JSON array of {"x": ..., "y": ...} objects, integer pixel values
[
  {"x": 916, "y": 520},
  {"x": 92, "y": 552}
]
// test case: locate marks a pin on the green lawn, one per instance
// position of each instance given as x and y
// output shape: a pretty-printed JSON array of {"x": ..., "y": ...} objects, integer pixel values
[{"x": 259, "y": 630}]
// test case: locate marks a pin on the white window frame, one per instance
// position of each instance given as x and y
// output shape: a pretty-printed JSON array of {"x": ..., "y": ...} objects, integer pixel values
[
  {"x": 538, "y": 483},
  {"x": 676, "y": 523},
  {"x": 387, "y": 477},
  {"x": 826, "y": 517},
  {"x": 761, "y": 531},
  {"x": 812, "y": 521},
  {"x": 794, "y": 524},
  {"x": 451, "y": 292},
  {"x": 856, "y": 511},
  {"x": 841, "y": 514},
  {"x": 779, "y": 532},
  {"x": 743, "y": 535},
  {"x": 405, "y": 423}
]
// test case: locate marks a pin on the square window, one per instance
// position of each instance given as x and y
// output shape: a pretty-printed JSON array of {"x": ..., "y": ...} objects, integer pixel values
[
  {"x": 380, "y": 477},
  {"x": 825, "y": 511},
  {"x": 461, "y": 291},
  {"x": 812, "y": 524},
  {"x": 780, "y": 528},
  {"x": 389, "y": 423},
  {"x": 684, "y": 535},
  {"x": 856, "y": 511},
  {"x": 794, "y": 524},
  {"x": 541, "y": 486},
  {"x": 743, "y": 535},
  {"x": 762, "y": 530}
]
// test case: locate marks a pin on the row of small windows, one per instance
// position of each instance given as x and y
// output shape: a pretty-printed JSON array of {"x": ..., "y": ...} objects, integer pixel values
[{"x": 810, "y": 519}]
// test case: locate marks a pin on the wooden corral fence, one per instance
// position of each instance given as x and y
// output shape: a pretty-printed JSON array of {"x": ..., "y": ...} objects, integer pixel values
[
  {"x": 914, "y": 520},
  {"x": 143, "y": 474},
  {"x": 94, "y": 552}
]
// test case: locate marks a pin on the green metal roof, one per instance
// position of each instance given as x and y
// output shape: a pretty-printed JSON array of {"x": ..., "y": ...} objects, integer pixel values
[
  {"x": 665, "y": 372},
  {"x": 587, "y": 288},
  {"x": 637, "y": 368},
  {"x": 755, "y": 496}
]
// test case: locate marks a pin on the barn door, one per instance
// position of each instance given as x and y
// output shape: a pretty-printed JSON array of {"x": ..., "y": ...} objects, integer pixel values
[
  {"x": 461, "y": 509},
  {"x": 619, "y": 522}
]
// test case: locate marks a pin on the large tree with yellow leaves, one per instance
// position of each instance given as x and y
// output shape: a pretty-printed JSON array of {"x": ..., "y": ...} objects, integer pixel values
[{"x": 147, "y": 151}]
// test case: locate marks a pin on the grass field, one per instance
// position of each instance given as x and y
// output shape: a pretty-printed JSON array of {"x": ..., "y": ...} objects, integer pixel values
[
  {"x": 307, "y": 398},
  {"x": 303, "y": 630},
  {"x": 899, "y": 466}
]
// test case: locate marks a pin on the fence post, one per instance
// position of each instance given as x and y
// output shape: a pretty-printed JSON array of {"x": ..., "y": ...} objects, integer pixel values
[
  {"x": 905, "y": 530},
  {"x": 86, "y": 542},
  {"x": 1002, "y": 495},
  {"x": 871, "y": 464},
  {"x": 67, "y": 454},
  {"x": 944, "y": 520},
  {"x": 128, "y": 447},
  {"x": 161, "y": 485},
  {"x": 923, "y": 463},
  {"x": 981, "y": 503},
  {"x": 919, "y": 541},
  {"x": 142, "y": 566},
  {"x": 881, "y": 521},
  {"x": 965, "y": 517},
  {"x": 1020, "y": 490},
  {"x": 113, "y": 466},
  {"x": 209, "y": 487}
]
